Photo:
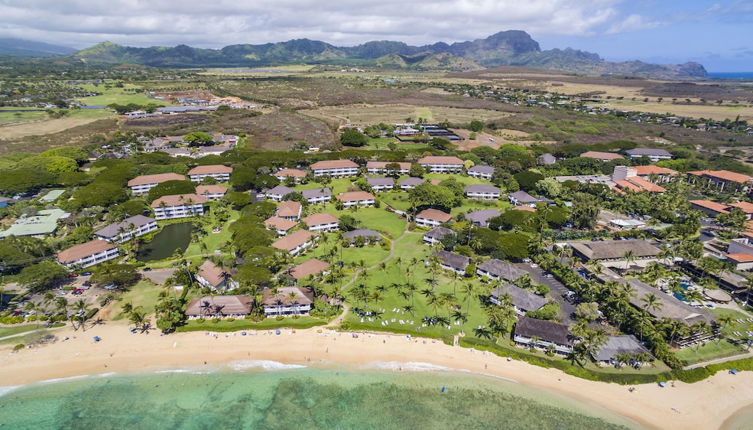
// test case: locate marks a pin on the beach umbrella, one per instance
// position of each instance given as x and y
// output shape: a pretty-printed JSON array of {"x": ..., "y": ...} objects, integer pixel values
[
  {"x": 662, "y": 384},
  {"x": 733, "y": 371},
  {"x": 97, "y": 338},
  {"x": 277, "y": 332}
]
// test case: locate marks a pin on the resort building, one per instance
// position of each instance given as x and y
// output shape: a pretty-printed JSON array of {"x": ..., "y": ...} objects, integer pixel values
[
  {"x": 613, "y": 252},
  {"x": 410, "y": 183},
  {"x": 381, "y": 184},
  {"x": 178, "y": 206},
  {"x": 211, "y": 150},
  {"x": 87, "y": 254},
  {"x": 317, "y": 196},
  {"x": 127, "y": 229},
  {"x": 210, "y": 307},
  {"x": 654, "y": 154},
  {"x": 322, "y": 222},
  {"x": 602, "y": 156},
  {"x": 215, "y": 277},
  {"x": 366, "y": 236},
  {"x": 442, "y": 164},
  {"x": 211, "y": 192},
  {"x": 453, "y": 262},
  {"x": 710, "y": 208},
  {"x": 142, "y": 184},
  {"x": 289, "y": 210},
  {"x": 740, "y": 253},
  {"x": 177, "y": 152},
  {"x": 481, "y": 218},
  {"x": 436, "y": 235},
  {"x": 39, "y": 225},
  {"x": 430, "y": 218},
  {"x": 218, "y": 172},
  {"x": 335, "y": 168},
  {"x": 296, "y": 243},
  {"x": 280, "y": 225},
  {"x": 381, "y": 167},
  {"x": 617, "y": 346},
  {"x": 287, "y": 301},
  {"x": 497, "y": 269},
  {"x": 523, "y": 301},
  {"x": 723, "y": 180},
  {"x": 284, "y": 174},
  {"x": 357, "y": 198},
  {"x": 653, "y": 173},
  {"x": 482, "y": 192},
  {"x": 481, "y": 172},
  {"x": 278, "y": 193},
  {"x": 313, "y": 267},
  {"x": 543, "y": 335},
  {"x": 626, "y": 178},
  {"x": 522, "y": 198}
]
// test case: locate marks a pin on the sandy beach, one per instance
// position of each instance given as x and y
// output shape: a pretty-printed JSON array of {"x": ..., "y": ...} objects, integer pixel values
[{"x": 703, "y": 405}]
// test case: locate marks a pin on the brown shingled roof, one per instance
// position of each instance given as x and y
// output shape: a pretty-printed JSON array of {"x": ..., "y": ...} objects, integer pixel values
[
  {"x": 440, "y": 159},
  {"x": 320, "y": 218},
  {"x": 179, "y": 199},
  {"x": 279, "y": 223},
  {"x": 210, "y": 189},
  {"x": 355, "y": 196},
  {"x": 289, "y": 208},
  {"x": 295, "y": 173},
  {"x": 83, "y": 250},
  {"x": 333, "y": 164},
  {"x": 211, "y": 169},
  {"x": 291, "y": 241},
  {"x": 434, "y": 214},
  {"x": 310, "y": 267},
  {"x": 155, "y": 179}
]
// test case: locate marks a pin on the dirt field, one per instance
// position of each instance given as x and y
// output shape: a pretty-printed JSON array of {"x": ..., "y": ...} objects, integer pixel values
[
  {"x": 280, "y": 130},
  {"x": 37, "y": 128},
  {"x": 396, "y": 113},
  {"x": 693, "y": 111}
]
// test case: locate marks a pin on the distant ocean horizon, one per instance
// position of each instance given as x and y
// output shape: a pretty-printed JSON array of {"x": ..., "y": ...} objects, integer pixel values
[
  {"x": 297, "y": 398},
  {"x": 731, "y": 75}
]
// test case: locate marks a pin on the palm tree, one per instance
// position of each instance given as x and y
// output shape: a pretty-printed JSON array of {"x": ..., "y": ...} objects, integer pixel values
[
  {"x": 651, "y": 302},
  {"x": 629, "y": 257},
  {"x": 292, "y": 298},
  {"x": 468, "y": 290},
  {"x": 410, "y": 309},
  {"x": 483, "y": 333}
]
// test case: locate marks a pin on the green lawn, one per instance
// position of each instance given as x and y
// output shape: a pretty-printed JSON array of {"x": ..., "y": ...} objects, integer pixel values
[
  {"x": 7, "y": 117},
  {"x": 16, "y": 329},
  {"x": 474, "y": 205},
  {"x": 463, "y": 179},
  {"x": 338, "y": 186},
  {"x": 396, "y": 199},
  {"x": 244, "y": 324},
  {"x": 370, "y": 254},
  {"x": 117, "y": 95},
  {"x": 717, "y": 348},
  {"x": 144, "y": 294},
  {"x": 380, "y": 143},
  {"x": 213, "y": 241}
]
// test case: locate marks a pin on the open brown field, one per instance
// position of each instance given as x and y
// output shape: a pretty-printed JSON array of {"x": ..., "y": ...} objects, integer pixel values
[
  {"x": 42, "y": 127},
  {"x": 78, "y": 135},
  {"x": 366, "y": 114},
  {"x": 689, "y": 110}
]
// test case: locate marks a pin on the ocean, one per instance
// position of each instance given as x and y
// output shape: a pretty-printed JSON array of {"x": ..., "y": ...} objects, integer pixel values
[
  {"x": 746, "y": 76},
  {"x": 274, "y": 396}
]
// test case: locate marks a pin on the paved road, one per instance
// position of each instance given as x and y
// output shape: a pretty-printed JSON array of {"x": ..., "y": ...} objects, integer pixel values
[{"x": 557, "y": 290}]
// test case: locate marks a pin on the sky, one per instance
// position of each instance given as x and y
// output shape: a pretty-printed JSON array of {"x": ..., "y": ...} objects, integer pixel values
[{"x": 719, "y": 34}]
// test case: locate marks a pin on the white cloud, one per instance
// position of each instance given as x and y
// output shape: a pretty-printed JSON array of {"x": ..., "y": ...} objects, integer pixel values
[
  {"x": 214, "y": 23},
  {"x": 632, "y": 22}
]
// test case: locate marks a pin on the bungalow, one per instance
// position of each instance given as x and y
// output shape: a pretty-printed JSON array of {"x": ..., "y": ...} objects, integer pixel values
[
  {"x": 522, "y": 300},
  {"x": 381, "y": 167},
  {"x": 217, "y": 171},
  {"x": 287, "y": 301},
  {"x": 368, "y": 236},
  {"x": 624, "y": 344},
  {"x": 321, "y": 222},
  {"x": 88, "y": 254},
  {"x": 127, "y": 229},
  {"x": 357, "y": 198},
  {"x": 436, "y": 235},
  {"x": 740, "y": 253},
  {"x": 710, "y": 208},
  {"x": 211, "y": 307},
  {"x": 284, "y": 174},
  {"x": 481, "y": 218},
  {"x": 540, "y": 334},
  {"x": 296, "y": 242},
  {"x": 602, "y": 156},
  {"x": 178, "y": 206},
  {"x": 654, "y": 154},
  {"x": 278, "y": 193},
  {"x": 279, "y": 225},
  {"x": 442, "y": 164},
  {"x": 308, "y": 268},
  {"x": 522, "y": 198},
  {"x": 722, "y": 179},
  {"x": 497, "y": 269},
  {"x": 335, "y": 168},
  {"x": 317, "y": 195},
  {"x": 381, "y": 184},
  {"x": 211, "y": 192},
  {"x": 482, "y": 192},
  {"x": 410, "y": 183},
  {"x": 616, "y": 250},
  {"x": 432, "y": 218},
  {"x": 142, "y": 184},
  {"x": 289, "y": 210},
  {"x": 215, "y": 277},
  {"x": 454, "y": 262},
  {"x": 546, "y": 159},
  {"x": 481, "y": 172}
]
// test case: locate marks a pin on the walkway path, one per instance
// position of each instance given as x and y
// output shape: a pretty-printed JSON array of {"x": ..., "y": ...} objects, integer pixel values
[
  {"x": 719, "y": 360},
  {"x": 24, "y": 333}
]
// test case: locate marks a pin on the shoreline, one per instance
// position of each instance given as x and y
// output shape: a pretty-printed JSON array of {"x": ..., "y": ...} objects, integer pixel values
[{"x": 119, "y": 351}]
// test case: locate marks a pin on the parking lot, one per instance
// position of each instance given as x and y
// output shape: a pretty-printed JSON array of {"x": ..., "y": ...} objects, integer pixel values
[{"x": 557, "y": 288}]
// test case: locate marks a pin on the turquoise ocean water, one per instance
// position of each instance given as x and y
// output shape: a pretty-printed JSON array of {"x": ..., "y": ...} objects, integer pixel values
[{"x": 296, "y": 399}]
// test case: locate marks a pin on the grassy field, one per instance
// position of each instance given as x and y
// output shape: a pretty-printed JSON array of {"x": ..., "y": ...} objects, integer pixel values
[
  {"x": 369, "y": 255},
  {"x": 144, "y": 294},
  {"x": 388, "y": 223},
  {"x": 397, "y": 113},
  {"x": 16, "y": 329},
  {"x": 719, "y": 348},
  {"x": 243, "y": 324},
  {"x": 113, "y": 94},
  {"x": 7, "y": 117},
  {"x": 213, "y": 241}
]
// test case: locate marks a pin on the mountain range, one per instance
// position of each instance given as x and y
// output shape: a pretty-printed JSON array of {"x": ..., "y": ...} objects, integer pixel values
[
  {"x": 506, "y": 48},
  {"x": 30, "y": 48}
]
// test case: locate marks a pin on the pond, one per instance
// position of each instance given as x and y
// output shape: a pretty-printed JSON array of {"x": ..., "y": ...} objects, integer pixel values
[{"x": 164, "y": 243}]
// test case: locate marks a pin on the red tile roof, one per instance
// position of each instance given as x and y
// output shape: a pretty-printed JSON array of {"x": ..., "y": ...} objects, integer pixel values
[
  {"x": 646, "y": 185},
  {"x": 740, "y": 258},
  {"x": 744, "y": 206},
  {"x": 713, "y": 206},
  {"x": 279, "y": 223},
  {"x": 440, "y": 159},
  {"x": 293, "y": 240},
  {"x": 288, "y": 208},
  {"x": 291, "y": 172},
  {"x": 311, "y": 267},
  {"x": 210, "y": 189},
  {"x": 435, "y": 215},
  {"x": 652, "y": 170},
  {"x": 320, "y": 218},
  {"x": 383, "y": 164},
  {"x": 212, "y": 273},
  {"x": 725, "y": 175},
  {"x": 155, "y": 179}
]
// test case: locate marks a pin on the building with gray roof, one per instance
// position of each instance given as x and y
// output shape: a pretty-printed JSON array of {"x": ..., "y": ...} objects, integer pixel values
[
  {"x": 482, "y": 192},
  {"x": 38, "y": 225},
  {"x": 129, "y": 228},
  {"x": 617, "y": 345},
  {"x": 498, "y": 269},
  {"x": 410, "y": 183},
  {"x": 380, "y": 184},
  {"x": 278, "y": 193},
  {"x": 482, "y": 172},
  {"x": 454, "y": 262},
  {"x": 523, "y": 301},
  {"x": 481, "y": 218},
  {"x": 317, "y": 195},
  {"x": 367, "y": 235},
  {"x": 436, "y": 235}
]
